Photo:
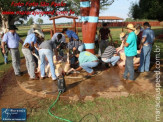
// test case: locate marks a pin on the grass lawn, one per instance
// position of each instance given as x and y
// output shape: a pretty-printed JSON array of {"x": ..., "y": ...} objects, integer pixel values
[{"x": 135, "y": 108}]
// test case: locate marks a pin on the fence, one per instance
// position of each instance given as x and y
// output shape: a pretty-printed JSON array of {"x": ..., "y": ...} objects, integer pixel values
[{"x": 121, "y": 24}]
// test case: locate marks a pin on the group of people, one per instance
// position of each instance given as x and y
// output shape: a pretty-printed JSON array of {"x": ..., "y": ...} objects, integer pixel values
[
  {"x": 136, "y": 47},
  {"x": 36, "y": 44}
]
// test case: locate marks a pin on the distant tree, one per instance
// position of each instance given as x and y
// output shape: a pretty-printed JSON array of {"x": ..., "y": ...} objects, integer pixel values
[
  {"x": 40, "y": 21},
  {"x": 147, "y": 9},
  {"x": 129, "y": 20},
  {"x": 30, "y": 21}
]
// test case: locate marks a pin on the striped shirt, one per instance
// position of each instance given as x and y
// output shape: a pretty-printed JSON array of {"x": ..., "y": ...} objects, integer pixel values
[{"x": 109, "y": 52}]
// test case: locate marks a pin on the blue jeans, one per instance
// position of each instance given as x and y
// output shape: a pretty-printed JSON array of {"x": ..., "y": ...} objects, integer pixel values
[
  {"x": 49, "y": 54},
  {"x": 129, "y": 68},
  {"x": 113, "y": 60},
  {"x": 5, "y": 56},
  {"x": 87, "y": 66},
  {"x": 145, "y": 58}
]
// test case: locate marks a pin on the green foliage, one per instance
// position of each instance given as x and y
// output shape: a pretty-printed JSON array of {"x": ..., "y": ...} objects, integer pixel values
[
  {"x": 129, "y": 20},
  {"x": 74, "y": 5},
  {"x": 40, "y": 21},
  {"x": 136, "y": 108},
  {"x": 30, "y": 21},
  {"x": 147, "y": 9}
]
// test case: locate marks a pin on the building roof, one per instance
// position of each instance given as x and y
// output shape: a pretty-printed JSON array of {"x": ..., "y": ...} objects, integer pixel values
[
  {"x": 110, "y": 18},
  {"x": 70, "y": 17}
]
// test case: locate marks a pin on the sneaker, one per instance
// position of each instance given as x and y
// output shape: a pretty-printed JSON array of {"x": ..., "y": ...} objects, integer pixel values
[{"x": 54, "y": 79}]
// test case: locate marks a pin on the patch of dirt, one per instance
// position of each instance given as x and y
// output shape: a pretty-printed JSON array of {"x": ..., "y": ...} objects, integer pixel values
[{"x": 12, "y": 96}]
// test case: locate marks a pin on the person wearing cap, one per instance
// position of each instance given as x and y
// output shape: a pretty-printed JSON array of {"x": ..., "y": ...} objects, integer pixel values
[
  {"x": 29, "y": 45},
  {"x": 138, "y": 32},
  {"x": 46, "y": 49},
  {"x": 86, "y": 61},
  {"x": 130, "y": 51},
  {"x": 147, "y": 41},
  {"x": 12, "y": 40},
  {"x": 104, "y": 34}
]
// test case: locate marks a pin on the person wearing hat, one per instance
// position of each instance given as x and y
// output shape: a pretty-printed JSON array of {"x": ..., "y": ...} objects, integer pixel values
[
  {"x": 130, "y": 51},
  {"x": 12, "y": 40},
  {"x": 138, "y": 32},
  {"x": 33, "y": 28},
  {"x": 29, "y": 45},
  {"x": 86, "y": 61},
  {"x": 147, "y": 41}
]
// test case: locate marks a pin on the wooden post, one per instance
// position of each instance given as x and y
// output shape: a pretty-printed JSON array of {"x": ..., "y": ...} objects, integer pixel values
[
  {"x": 74, "y": 25},
  {"x": 51, "y": 33},
  {"x": 90, "y": 14},
  {"x": 54, "y": 27}
]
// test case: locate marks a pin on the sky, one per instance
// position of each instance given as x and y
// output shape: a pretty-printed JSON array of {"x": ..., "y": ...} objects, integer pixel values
[{"x": 119, "y": 8}]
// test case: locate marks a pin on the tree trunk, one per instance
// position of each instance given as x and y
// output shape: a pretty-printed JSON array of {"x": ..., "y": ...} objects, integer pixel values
[
  {"x": 90, "y": 14},
  {"x": 5, "y": 22}
]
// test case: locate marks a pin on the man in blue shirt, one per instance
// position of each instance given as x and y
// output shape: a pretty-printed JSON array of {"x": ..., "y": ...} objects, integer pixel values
[
  {"x": 12, "y": 40},
  {"x": 130, "y": 52},
  {"x": 147, "y": 41},
  {"x": 29, "y": 45},
  {"x": 71, "y": 35}
]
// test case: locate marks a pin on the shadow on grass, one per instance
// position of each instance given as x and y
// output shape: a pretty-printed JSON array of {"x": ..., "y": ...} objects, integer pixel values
[
  {"x": 22, "y": 35},
  {"x": 2, "y": 63}
]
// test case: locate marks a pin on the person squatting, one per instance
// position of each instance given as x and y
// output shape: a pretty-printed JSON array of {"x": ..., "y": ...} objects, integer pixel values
[{"x": 55, "y": 57}]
